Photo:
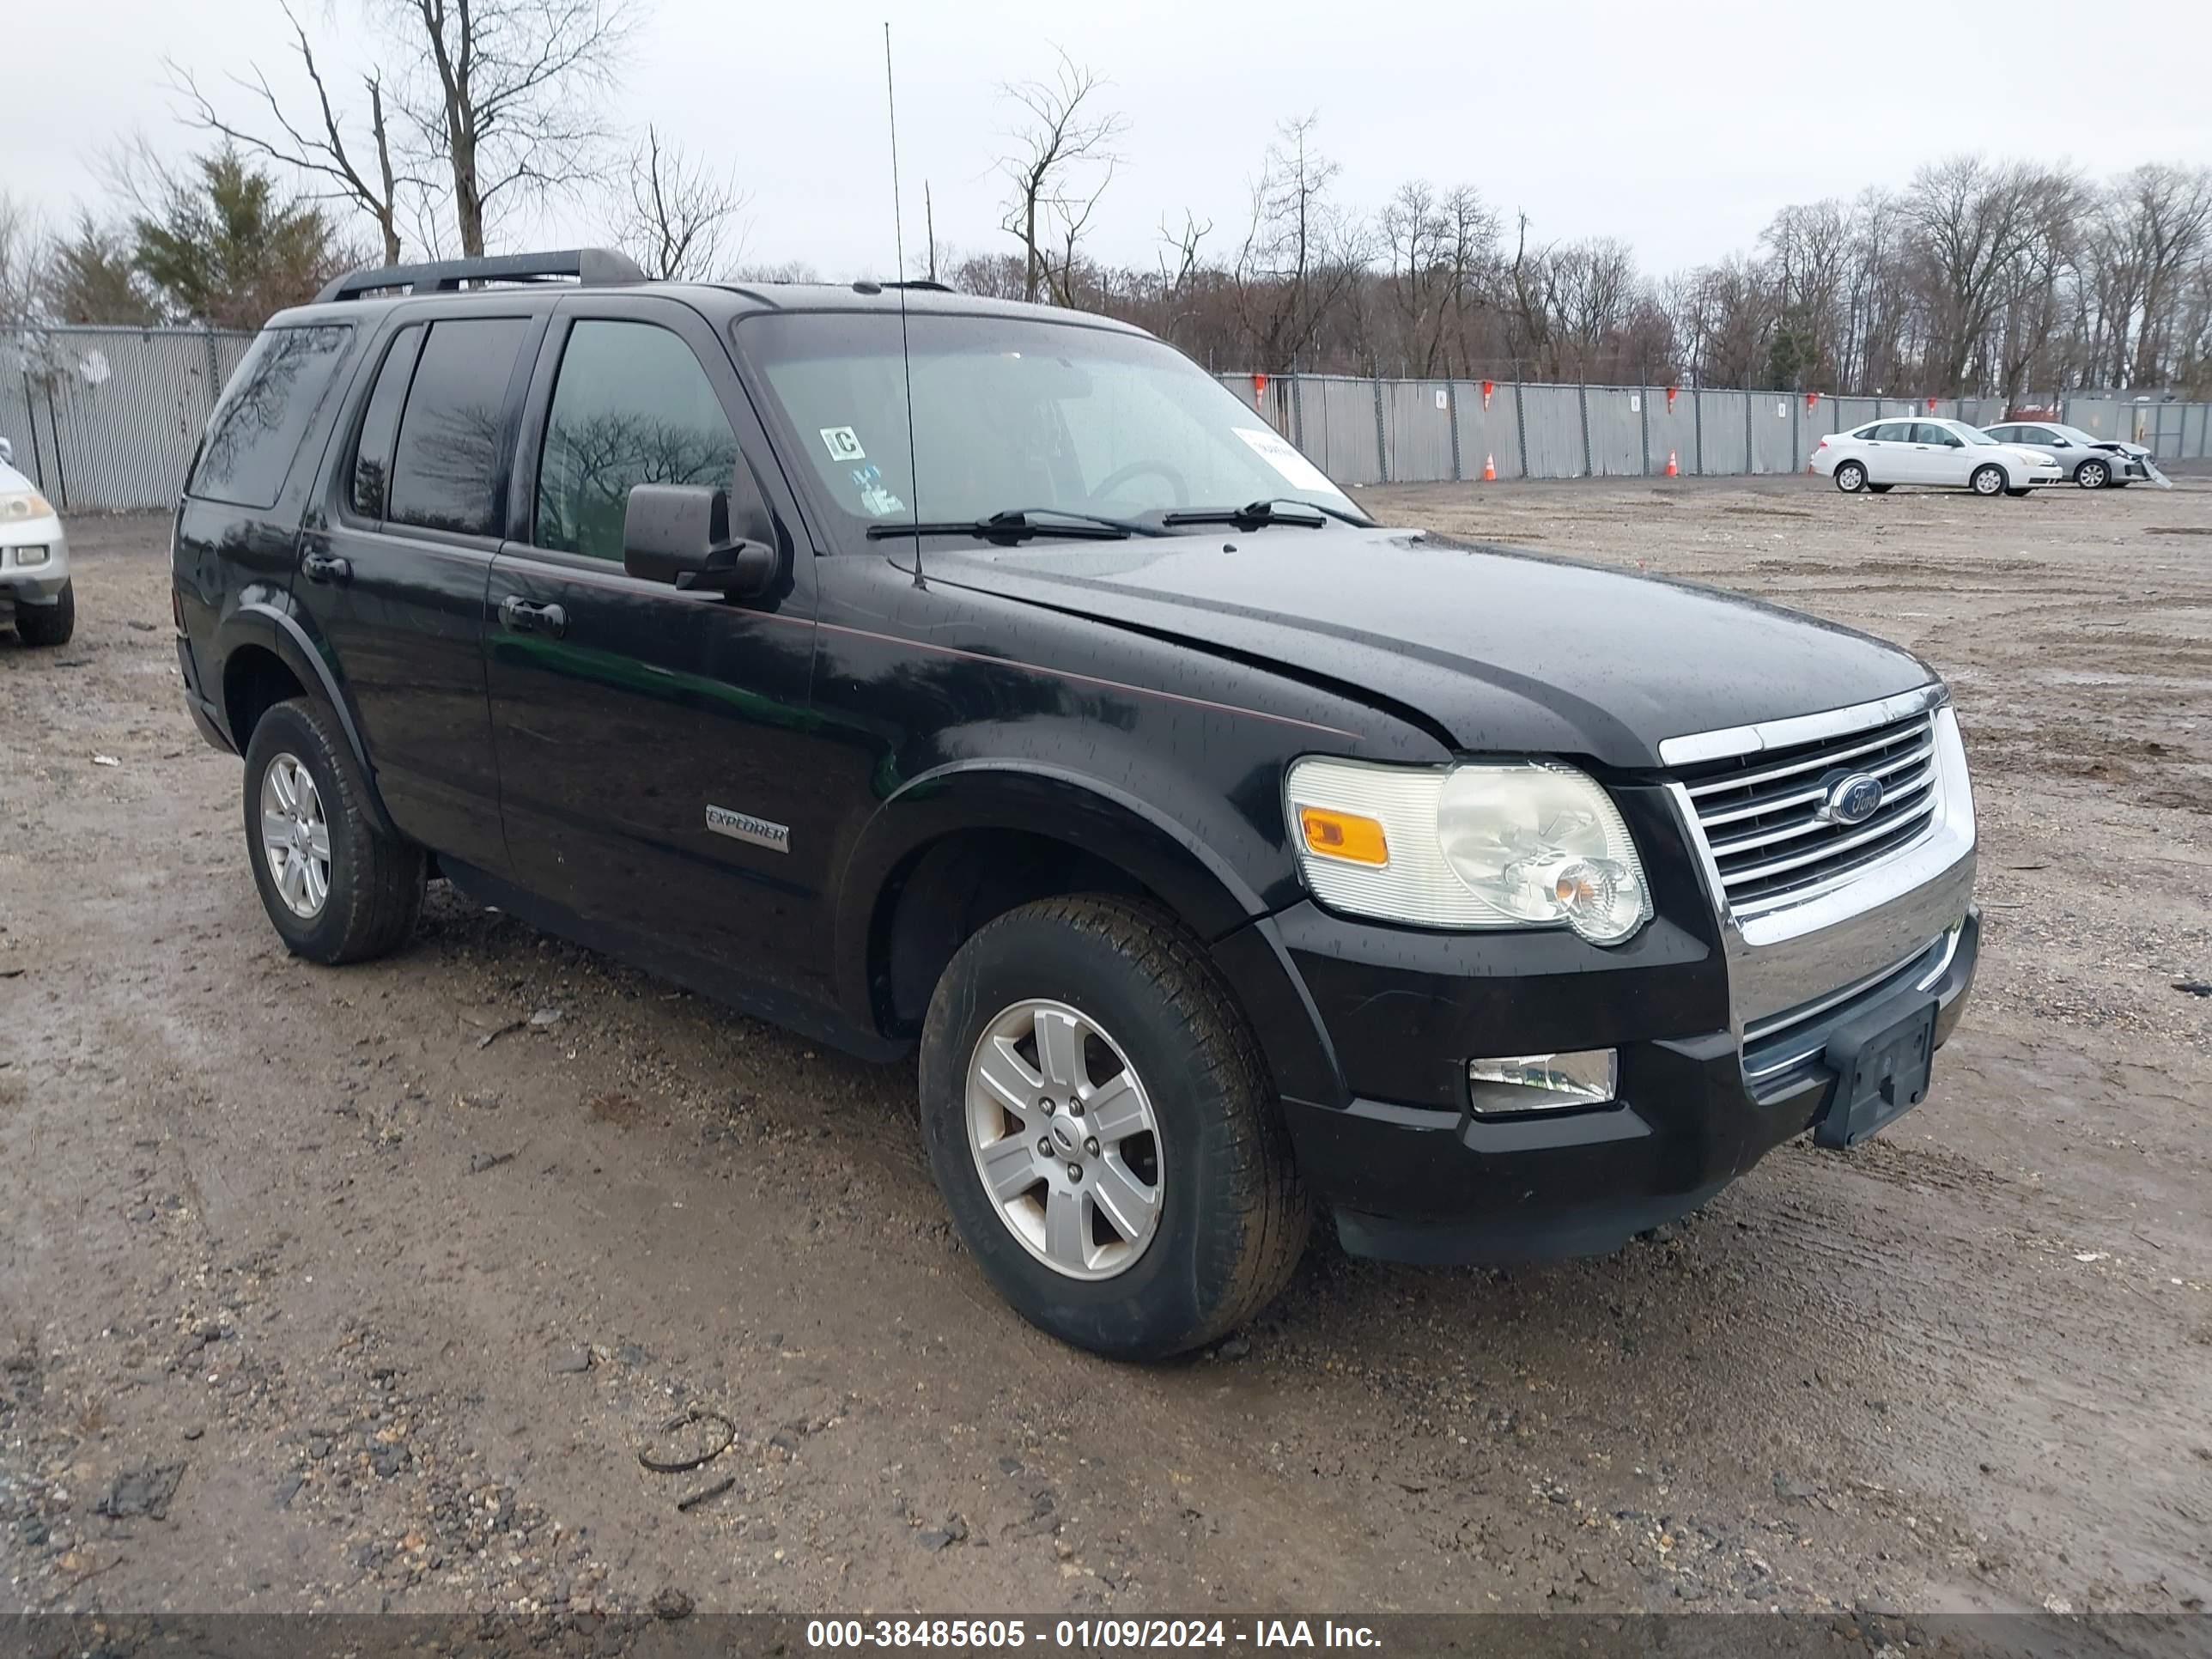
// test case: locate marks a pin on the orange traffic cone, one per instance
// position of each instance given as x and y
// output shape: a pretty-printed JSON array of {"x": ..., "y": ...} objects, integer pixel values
[
  {"x": 1489, "y": 469},
  {"x": 1672, "y": 471}
]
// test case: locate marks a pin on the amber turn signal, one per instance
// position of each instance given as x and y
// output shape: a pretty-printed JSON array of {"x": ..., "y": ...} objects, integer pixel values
[{"x": 1344, "y": 836}]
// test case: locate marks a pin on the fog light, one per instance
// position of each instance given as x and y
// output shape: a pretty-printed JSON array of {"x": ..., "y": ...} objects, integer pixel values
[
  {"x": 27, "y": 556},
  {"x": 1541, "y": 1083}
]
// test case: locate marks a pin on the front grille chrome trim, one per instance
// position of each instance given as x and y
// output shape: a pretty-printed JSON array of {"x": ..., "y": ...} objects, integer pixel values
[
  {"x": 1780, "y": 802},
  {"x": 1731, "y": 741},
  {"x": 1874, "y": 831}
]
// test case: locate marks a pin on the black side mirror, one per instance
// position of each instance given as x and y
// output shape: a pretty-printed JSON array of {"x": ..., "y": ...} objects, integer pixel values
[{"x": 698, "y": 537}]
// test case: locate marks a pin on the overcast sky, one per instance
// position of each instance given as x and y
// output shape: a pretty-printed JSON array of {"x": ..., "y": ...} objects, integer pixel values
[{"x": 1680, "y": 126}]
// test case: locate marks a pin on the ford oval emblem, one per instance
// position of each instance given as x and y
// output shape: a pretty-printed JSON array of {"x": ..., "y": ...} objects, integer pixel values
[{"x": 1852, "y": 799}]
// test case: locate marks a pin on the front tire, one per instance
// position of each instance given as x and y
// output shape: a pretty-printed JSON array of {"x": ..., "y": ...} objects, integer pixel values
[
  {"x": 2092, "y": 474},
  {"x": 48, "y": 624},
  {"x": 1988, "y": 480},
  {"x": 1851, "y": 477},
  {"x": 1102, "y": 1126},
  {"x": 336, "y": 888}
]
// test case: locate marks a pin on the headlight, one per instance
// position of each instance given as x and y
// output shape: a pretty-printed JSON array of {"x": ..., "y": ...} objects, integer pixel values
[
  {"x": 18, "y": 504},
  {"x": 1517, "y": 844}
]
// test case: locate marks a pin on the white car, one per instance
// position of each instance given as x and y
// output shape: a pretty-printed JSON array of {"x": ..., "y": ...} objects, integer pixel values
[
  {"x": 1940, "y": 454},
  {"x": 2092, "y": 462},
  {"x": 35, "y": 592}
]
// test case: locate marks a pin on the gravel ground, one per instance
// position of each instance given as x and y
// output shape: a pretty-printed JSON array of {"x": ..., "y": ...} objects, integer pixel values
[{"x": 366, "y": 1289}]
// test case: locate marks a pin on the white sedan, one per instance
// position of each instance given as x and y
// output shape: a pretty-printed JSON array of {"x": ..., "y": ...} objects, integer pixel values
[
  {"x": 1939, "y": 454},
  {"x": 35, "y": 592}
]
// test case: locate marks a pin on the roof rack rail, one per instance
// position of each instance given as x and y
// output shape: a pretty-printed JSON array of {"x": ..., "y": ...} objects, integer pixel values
[
  {"x": 592, "y": 267},
  {"x": 930, "y": 283}
]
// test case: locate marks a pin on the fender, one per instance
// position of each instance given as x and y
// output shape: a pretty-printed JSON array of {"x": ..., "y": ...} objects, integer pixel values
[
  {"x": 259, "y": 623},
  {"x": 1214, "y": 898},
  {"x": 1039, "y": 797}
]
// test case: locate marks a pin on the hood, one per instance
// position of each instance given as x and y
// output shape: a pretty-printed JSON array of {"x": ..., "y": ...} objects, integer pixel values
[{"x": 1499, "y": 651}]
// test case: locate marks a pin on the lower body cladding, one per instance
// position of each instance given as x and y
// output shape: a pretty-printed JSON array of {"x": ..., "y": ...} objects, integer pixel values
[{"x": 1720, "y": 1051}]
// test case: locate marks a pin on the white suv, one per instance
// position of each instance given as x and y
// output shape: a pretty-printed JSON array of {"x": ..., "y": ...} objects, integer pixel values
[
  {"x": 1942, "y": 455},
  {"x": 35, "y": 592}
]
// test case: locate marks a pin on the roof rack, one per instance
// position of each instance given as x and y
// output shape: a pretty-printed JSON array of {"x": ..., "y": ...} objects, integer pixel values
[
  {"x": 592, "y": 267},
  {"x": 932, "y": 285}
]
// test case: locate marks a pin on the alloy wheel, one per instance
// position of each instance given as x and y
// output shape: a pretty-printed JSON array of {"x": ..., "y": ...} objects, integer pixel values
[
  {"x": 1064, "y": 1139},
  {"x": 295, "y": 838}
]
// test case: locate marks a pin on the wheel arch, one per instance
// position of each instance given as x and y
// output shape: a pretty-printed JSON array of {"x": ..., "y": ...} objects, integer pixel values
[
  {"x": 258, "y": 643},
  {"x": 967, "y": 841}
]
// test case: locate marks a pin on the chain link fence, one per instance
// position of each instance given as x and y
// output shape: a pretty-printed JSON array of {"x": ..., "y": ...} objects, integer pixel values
[{"x": 104, "y": 420}]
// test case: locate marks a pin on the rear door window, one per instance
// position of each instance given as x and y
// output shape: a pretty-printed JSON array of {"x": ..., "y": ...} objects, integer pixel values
[
  {"x": 451, "y": 445},
  {"x": 379, "y": 424},
  {"x": 266, "y": 409},
  {"x": 1892, "y": 432}
]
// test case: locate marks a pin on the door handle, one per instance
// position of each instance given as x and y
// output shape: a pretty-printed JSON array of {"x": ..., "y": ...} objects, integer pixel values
[
  {"x": 327, "y": 568},
  {"x": 527, "y": 616}
]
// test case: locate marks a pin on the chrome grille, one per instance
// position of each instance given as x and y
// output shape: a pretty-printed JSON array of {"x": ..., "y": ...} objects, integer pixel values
[{"x": 1762, "y": 819}]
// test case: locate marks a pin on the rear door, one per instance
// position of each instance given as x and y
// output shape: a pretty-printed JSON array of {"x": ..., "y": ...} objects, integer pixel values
[
  {"x": 394, "y": 573},
  {"x": 1883, "y": 451},
  {"x": 659, "y": 770}
]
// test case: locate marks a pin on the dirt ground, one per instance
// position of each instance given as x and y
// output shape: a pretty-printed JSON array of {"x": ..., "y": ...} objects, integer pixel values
[{"x": 364, "y": 1289}]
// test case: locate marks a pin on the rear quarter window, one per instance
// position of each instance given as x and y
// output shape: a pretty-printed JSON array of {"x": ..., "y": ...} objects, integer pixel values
[{"x": 255, "y": 432}]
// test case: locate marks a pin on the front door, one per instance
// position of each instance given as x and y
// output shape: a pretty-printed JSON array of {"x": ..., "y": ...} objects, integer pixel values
[
  {"x": 393, "y": 569},
  {"x": 1939, "y": 455},
  {"x": 655, "y": 749}
]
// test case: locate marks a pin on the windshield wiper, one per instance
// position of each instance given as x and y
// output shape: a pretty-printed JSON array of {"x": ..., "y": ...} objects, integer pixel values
[
  {"x": 1257, "y": 515},
  {"x": 1020, "y": 523}
]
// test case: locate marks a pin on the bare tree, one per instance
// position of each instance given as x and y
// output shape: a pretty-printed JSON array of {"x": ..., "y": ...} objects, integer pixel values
[
  {"x": 2168, "y": 213},
  {"x": 23, "y": 262},
  {"x": 1062, "y": 162},
  {"x": 505, "y": 95},
  {"x": 1301, "y": 256},
  {"x": 317, "y": 145},
  {"x": 677, "y": 215}
]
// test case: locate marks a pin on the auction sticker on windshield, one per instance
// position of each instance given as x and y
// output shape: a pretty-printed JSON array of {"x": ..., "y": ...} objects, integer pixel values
[
  {"x": 1275, "y": 449},
  {"x": 843, "y": 444}
]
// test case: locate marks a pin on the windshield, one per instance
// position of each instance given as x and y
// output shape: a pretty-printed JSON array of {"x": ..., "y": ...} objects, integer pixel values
[{"x": 1015, "y": 415}]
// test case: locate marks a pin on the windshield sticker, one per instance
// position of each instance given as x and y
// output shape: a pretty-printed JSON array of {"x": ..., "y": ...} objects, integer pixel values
[
  {"x": 1275, "y": 449},
  {"x": 875, "y": 500},
  {"x": 843, "y": 444}
]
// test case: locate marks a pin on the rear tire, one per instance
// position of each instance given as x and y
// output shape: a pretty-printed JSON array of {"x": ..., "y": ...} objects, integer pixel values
[
  {"x": 48, "y": 624},
  {"x": 343, "y": 891},
  {"x": 1851, "y": 477},
  {"x": 1228, "y": 1216},
  {"x": 1988, "y": 480},
  {"x": 2092, "y": 474}
]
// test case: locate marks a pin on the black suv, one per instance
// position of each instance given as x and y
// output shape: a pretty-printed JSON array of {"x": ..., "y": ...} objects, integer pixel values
[{"x": 924, "y": 671}]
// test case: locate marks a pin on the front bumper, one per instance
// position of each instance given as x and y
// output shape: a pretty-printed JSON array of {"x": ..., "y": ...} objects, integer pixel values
[
  {"x": 1722, "y": 1026},
  {"x": 34, "y": 564}
]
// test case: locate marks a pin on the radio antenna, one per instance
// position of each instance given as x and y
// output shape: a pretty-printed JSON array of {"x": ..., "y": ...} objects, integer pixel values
[{"x": 906, "y": 351}]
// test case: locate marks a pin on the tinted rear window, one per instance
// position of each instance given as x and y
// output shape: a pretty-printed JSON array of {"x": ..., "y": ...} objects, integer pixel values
[
  {"x": 265, "y": 411},
  {"x": 379, "y": 423},
  {"x": 453, "y": 437}
]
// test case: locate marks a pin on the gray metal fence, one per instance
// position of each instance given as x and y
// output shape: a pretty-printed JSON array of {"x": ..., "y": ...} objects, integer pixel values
[
  {"x": 1396, "y": 431},
  {"x": 106, "y": 418}
]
